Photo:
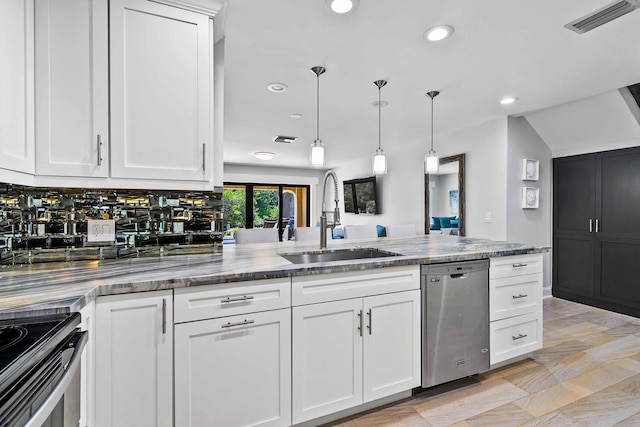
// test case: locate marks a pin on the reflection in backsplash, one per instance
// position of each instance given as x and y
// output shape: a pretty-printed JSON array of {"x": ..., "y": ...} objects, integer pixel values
[{"x": 51, "y": 224}]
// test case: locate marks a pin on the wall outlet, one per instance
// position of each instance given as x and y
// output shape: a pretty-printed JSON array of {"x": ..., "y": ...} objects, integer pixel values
[
  {"x": 487, "y": 217},
  {"x": 101, "y": 230}
]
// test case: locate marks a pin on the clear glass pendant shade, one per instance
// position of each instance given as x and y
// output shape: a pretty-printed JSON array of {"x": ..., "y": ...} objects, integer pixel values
[
  {"x": 379, "y": 162},
  {"x": 431, "y": 162},
  {"x": 317, "y": 154}
]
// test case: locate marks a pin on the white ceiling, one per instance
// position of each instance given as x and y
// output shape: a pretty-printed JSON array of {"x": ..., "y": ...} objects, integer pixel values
[{"x": 499, "y": 48}]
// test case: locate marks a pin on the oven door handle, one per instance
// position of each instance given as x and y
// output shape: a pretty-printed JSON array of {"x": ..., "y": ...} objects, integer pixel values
[{"x": 43, "y": 412}]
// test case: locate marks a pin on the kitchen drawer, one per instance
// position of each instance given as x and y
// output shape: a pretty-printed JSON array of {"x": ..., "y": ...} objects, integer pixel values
[
  {"x": 513, "y": 296},
  {"x": 355, "y": 284},
  {"x": 515, "y": 336},
  {"x": 517, "y": 265},
  {"x": 229, "y": 299}
]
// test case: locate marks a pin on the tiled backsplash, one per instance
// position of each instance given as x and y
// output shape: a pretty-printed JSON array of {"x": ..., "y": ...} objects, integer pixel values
[{"x": 50, "y": 224}]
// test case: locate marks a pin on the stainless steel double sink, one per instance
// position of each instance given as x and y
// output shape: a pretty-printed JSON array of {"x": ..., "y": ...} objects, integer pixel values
[{"x": 311, "y": 257}]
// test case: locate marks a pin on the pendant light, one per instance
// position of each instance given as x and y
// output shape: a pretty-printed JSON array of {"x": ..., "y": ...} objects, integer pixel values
[
  {"x": 431, "y": 162},
  {"x": 317, "y": 148},
  {"x": 379, "y": 159}
]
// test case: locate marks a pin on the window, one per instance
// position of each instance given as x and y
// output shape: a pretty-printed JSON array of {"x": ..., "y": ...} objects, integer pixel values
[{"x": 266, "y": 205}]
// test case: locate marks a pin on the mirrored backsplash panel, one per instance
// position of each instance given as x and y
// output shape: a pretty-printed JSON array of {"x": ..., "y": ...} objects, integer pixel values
[{"x": 40, "y": 224}]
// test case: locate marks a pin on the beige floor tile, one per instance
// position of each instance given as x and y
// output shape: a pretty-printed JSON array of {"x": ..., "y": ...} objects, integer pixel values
[
  {"x": 551, "y": 399},
  {"x": 471, "y": 402},
  {"x": 554, "y": 419},
  {"x": 543, "y": 376},
  {"x": 555, "y": 351},
  {"x": 604, "y": 408},
  {"x": 504, "y": 416},
  {"x": 630, "y": 386},
  {"x": 460, "y": 424},
  {"x": 598, "y": 339},
  {"x": 400, "y": 417},
  {"x": 632, "y": 421},
  {"x": 601, "y": 378},
  {"x": 624, "y": 330},
  {"x": 504, "y": 371},
  {"x": 618, "y": 349},
  {"x": 582, "y": 362},
  {"x": 573, "y": 332}
]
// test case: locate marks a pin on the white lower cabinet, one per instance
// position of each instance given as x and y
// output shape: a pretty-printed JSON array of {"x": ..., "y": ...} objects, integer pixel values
[
  {"x": 234, "y": 371},
  {"x": 134, "y": 360},
  {"x": 349, "y": 352},
  {"x": 87, "y": 370},
  {"x": 515, "y": 306}
]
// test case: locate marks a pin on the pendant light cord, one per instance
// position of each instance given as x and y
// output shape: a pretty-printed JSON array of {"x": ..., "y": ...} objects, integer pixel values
[
  {"x": 318, "y": 106},
  {"x": 379, "y": 115},
  {"x": 432, "y": 123}
]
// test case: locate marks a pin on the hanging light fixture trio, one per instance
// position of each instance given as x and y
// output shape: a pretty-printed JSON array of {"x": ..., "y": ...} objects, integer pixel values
[
  {"x": 379, "y": 158},
  {"x": 317, "y": 148},
  {"x": 431, "y": 161}
]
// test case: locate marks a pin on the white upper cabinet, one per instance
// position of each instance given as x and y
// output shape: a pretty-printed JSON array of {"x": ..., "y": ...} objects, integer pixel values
[
  {"x": 71, "y": 48},
  {"x": 161, "y": 62},
  {"x": 16, "y": 86}
]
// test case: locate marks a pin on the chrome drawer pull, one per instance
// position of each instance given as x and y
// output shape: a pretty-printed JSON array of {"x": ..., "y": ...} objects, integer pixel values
[
  {"x": 370, "y": 322},
  {"x": 519, "y": 337},
  {"x": 230, "y": 325},
  {"x": 519, "y": 296},
  {"x": 361, "y": 320},
  {"x": 519, "y": 265},
  {"x": 236, "y": 299}
]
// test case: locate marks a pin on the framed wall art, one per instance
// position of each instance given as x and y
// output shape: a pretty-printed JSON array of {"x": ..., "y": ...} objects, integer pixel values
[
  {"x": 530, "y": 197},
  {"x": 530, "y": 169}
]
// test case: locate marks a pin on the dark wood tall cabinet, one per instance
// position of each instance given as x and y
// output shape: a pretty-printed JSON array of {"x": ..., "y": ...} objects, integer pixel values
[{"x": 596, "y": 231}]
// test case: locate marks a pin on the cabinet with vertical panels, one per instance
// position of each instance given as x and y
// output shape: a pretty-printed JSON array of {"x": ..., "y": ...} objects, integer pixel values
[
  {"x": 515, "y": 306},
  {"x": 233, "y": 354},
  {"x": 16, "y": 86},
  {"x": 161, "y": 61},
  {"x": 596, "y": 241},
  {"x": 134, "y": 360},
  {"x": 351, "y": 351},
  {"x": 72, "y": 88}
]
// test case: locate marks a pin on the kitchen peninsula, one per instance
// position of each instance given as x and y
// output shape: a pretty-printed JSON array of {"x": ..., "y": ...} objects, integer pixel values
[{"x": 262, "y": 292}]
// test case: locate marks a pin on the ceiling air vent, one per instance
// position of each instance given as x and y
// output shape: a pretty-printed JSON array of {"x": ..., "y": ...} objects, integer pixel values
[
  {"x": 603, "y": 15},
  {"x": 285, "y": 139}
]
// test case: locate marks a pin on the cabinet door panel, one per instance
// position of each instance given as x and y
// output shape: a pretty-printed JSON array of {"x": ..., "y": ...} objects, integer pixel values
[
  {"x": 327, "y": 358},
  {"x": 16, "y": 85},
  {"x": 619, "y": 272},
  {"x": 391, "y": 344},
  {"x": 72, "y": 88},
  {"x": 160, "y": 81},
  {"x": 574, "y": 265},
  {"x": 619, "y": 201},
  {"x": 134, "y": 360},
  {"x": 574, "y": 194},
  {"x": 234, "y": 376}
]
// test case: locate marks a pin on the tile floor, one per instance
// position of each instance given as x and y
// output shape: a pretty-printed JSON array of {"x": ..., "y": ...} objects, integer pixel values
[{"x": 587, "y": 374}]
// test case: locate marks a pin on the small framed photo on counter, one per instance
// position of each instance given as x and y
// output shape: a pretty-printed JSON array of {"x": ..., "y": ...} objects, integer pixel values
[
  {"x": 530, "y": 169},
  {"x": 530, "y": 196}
]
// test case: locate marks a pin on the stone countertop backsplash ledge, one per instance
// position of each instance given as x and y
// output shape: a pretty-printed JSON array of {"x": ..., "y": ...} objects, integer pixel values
[{"x": 39, "y": 289}]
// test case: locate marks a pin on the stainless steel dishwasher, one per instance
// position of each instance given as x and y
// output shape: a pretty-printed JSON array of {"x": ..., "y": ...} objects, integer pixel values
[{"x": 455, "y": 321}]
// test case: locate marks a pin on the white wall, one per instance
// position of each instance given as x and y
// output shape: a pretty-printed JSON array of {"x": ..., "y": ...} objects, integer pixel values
[
  {"x": 401, "y": 191},
  {"x": 529, "y": 225}
]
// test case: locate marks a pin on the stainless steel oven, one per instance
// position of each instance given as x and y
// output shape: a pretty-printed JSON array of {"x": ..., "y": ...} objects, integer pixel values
[{"x": 39, "y": 371}]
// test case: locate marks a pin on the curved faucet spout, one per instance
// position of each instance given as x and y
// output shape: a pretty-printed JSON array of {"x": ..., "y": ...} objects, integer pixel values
[{"x": 336, "y": 213}]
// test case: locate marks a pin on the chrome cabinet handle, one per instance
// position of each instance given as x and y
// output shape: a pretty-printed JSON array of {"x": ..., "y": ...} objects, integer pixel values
[
  {"x": 164, "y": 315},
  {"x": 99, "y": 150},
  {"x": 590, "y": 225},
  {"x": 245, "y": 322},
  {"x": 597, "y": 225},
  {"x": 519, "y": 337},
  {"x": 519, "y": 265},
  {"x": 236, "y": 299},
  {"x": 360, "y": 321},
  {"x": 519, "y": 296},
  {"x": 204, "y": 151},
  {"x": 370, "y": 322}
]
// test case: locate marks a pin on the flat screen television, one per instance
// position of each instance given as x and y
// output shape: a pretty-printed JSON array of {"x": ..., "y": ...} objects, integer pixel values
[{"x": 360, "y": 196}]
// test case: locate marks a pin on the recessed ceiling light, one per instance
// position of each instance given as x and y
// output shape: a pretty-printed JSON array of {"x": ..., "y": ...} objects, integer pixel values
[
  {"x": 296, "y": 116},
  {"x": 508, "y": 100},
  {"x": 437, "y": 33},
  {"x": 341, "y": 7},
  {"x": 277, "y": 87},
  {"x": 264, "y": 155},
  {"x": 382, "y": 104}
]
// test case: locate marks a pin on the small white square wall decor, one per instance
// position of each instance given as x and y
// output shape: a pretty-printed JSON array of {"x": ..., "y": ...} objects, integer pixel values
[{"x": 530, "y": 169}]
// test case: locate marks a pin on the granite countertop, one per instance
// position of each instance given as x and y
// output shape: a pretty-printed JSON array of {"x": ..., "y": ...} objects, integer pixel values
[{"x": 65, "y": 287}]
